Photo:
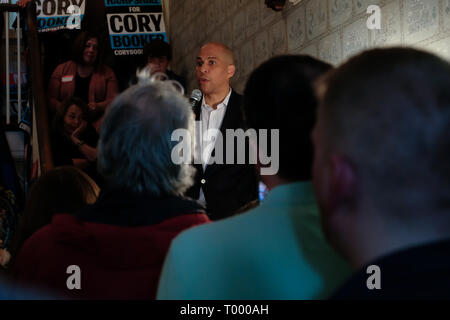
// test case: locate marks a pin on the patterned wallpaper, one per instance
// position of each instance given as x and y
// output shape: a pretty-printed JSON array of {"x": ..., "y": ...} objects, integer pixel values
[{"x": 332, "y": 30}]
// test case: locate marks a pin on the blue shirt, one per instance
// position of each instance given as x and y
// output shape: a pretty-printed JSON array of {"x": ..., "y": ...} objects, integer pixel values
[{"x": 275, "y": 251}]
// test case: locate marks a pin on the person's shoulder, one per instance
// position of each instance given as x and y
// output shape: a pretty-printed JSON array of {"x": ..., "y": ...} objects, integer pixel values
[
  {"x": 57, "y": 220},
  {"x": 194, "y": 236},
  {"x": 196, "y": 217},
  {"x": 235, "y": 102},
  {"x": 67, "y": 64},
  {"x": 173, "y": 76},
  {"x": 36, "y": 245},
  {"x": 106, "y": 70},
  {"x": 41, "y": 234},
  {"x": 183, "y": 222},
  {"x": 216, "y": 234},
  {"x": 65, "y": 67},
  {"x": 236, "y": 95}
]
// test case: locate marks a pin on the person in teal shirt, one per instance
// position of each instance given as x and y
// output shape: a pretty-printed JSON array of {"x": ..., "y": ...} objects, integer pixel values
[{"x": 276, "y": 251}]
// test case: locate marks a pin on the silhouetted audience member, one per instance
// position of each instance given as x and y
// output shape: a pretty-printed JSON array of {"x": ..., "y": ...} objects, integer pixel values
[
  {"x": 277, "y": 250},
  {"x": 85, "y": 77},
  {"x": 381, "y": 172},
  {"x": 74, "y": 140},
  {"x": 64, "y": 189},
  {"x": 120, "y": 242}
]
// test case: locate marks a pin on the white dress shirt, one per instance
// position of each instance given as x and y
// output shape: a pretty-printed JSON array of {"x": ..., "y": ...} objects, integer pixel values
[{"x": 211, "y": 121}]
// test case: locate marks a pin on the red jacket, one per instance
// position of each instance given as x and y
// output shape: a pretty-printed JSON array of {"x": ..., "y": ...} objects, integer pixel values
[
  {"x": 102, "y": 89},
  {"x": 116, "y": 262}
]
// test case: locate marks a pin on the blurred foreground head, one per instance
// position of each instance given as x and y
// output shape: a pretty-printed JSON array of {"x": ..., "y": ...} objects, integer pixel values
[
  {"x": 135, "y": 140},
  {"x": 62, "y": 190},
  {"x": 382, "y": 152},
  {"x": 279, "y": 95}
]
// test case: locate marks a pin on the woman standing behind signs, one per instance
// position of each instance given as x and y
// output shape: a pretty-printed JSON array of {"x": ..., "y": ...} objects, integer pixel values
[{"x": 84, "y": 77}]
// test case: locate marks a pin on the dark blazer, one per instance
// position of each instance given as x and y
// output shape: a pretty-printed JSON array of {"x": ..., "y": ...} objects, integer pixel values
[{"x": 227, "y": 187}]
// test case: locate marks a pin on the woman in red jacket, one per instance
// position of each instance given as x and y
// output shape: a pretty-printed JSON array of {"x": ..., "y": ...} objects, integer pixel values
[
  {"x": 115, "y": 248},
  {"x": 84, "y": 77}
]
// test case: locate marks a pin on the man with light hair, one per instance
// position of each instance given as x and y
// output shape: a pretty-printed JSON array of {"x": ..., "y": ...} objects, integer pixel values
[
  {"x": 117, "y": 245},
  {"x": 381, "y": 172}
]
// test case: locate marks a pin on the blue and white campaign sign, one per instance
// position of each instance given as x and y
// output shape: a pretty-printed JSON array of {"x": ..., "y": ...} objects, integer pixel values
[
  {"x": 134, "y": 23},
  {"x": 59, "y": 14},
  {"x": 54, "y": 14}
]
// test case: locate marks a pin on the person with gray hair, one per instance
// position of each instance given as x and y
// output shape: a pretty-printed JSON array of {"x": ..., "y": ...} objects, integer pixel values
[
  {"x": 116, "y": 247},
  {"x": 139, "y": 128},
  {"x": 381, "y": 172}
]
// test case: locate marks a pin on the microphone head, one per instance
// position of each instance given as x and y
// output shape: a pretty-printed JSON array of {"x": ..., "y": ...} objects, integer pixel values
[{"x": 196, "y": 95}]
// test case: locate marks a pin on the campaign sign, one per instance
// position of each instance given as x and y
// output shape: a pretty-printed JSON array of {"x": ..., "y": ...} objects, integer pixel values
[
  {"x": 134, "y": 23},
  {"x": 59, "y": 14}
]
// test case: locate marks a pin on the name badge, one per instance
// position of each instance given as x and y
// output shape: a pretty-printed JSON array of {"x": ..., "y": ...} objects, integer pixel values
[{"x": 67, "y": 78}]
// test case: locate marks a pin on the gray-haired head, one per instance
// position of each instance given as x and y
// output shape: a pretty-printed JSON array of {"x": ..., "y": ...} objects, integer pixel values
[{"x": 135, "y": 140}]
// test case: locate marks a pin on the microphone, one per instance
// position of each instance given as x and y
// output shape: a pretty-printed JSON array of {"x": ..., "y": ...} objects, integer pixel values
[{"x": 196, "y": 96}]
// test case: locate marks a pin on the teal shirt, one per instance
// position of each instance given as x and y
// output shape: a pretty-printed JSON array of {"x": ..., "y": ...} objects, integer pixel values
[{"x": 276, "y": 251}]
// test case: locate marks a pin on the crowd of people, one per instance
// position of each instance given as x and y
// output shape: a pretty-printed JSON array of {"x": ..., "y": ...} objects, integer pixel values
[{"x": 362, "y": 180}]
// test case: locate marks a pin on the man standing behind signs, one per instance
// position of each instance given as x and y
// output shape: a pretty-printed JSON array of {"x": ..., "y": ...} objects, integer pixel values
[
  {"x": 157, "y": 56},
  {"x": 225, "y": 188}
]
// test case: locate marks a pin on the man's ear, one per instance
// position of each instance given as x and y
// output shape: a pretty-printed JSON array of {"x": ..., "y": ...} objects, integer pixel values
[
  {"x": 343, "y": 190},
  {"x": 231, "y": 69}
]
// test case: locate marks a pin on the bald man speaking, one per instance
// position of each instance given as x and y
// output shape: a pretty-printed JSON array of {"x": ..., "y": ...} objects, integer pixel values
[{"x": 223, "y": 187}]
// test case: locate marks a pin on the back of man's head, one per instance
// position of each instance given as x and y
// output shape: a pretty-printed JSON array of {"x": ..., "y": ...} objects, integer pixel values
[
  {"x": 135, "y": 148},
  {"x": 388, "y": 112},
  {"x": 279, "y": 95}
]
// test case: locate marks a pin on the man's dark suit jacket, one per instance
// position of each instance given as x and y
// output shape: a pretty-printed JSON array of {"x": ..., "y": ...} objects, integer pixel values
[{"x": 227, "y": 187}]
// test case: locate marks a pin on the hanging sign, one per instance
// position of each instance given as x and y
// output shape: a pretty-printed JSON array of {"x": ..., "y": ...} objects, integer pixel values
[
  {"x": 134, "y": 23},
  {"x": 59, "y": 14}
]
